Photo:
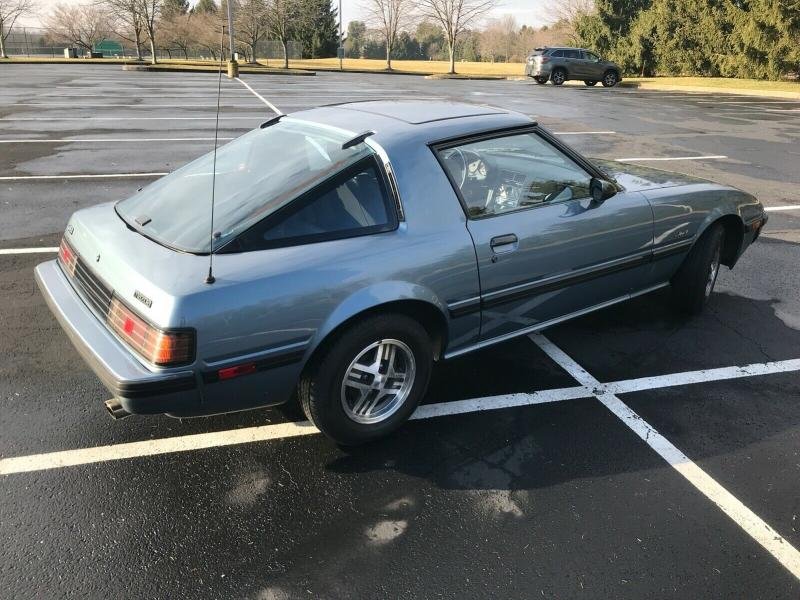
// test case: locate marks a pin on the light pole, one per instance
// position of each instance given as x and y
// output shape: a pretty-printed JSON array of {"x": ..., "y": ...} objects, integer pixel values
[
  {"x": 340, "y": 49},
  {"x": 233, "y": 66}
]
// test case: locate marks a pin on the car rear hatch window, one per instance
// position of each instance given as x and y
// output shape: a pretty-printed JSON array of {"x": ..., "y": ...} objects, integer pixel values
[{"x": 256, "y": 175}]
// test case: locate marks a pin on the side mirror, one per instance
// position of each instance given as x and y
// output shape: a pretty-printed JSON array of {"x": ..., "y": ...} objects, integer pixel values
[{"x": 601, "y": 190}]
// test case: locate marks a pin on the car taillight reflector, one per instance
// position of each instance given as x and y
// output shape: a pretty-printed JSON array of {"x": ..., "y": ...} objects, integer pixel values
[
  {"x": 158, "y": 347},
  {"x": 67, "y": 257},
  {"x": 545, "y": 59},
  {"x": 231, "y": 372}
]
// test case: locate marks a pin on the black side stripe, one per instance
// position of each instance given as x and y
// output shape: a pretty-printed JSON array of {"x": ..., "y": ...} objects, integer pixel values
[
  {"x": 262, "y": 364},
  {"x": 535, "y": 288}
]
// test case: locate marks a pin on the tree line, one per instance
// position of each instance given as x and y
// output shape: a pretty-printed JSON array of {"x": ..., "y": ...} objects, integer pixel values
[{"x": 721, "y": 38}]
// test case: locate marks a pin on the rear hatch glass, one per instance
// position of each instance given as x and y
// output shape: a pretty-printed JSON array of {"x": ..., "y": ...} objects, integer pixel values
[{"x": 256, "y": 175}]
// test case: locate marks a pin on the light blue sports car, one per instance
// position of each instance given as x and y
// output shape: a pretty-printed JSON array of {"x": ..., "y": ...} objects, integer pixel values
[{"x": 354, "y": 245}]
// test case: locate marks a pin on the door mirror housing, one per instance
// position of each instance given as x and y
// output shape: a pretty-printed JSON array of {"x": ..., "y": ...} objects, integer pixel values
[{"x": 601, "y": 189}]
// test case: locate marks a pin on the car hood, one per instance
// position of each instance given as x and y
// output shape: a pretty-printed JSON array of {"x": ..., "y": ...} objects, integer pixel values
[
  {"x": 150, "y": 278},
  {"x": 636, "y": 178}
]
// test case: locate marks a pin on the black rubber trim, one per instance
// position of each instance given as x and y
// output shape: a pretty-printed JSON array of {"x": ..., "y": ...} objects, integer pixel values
[
  {"x": 262, "y": 364},
  {"x": 467, "y": 309},
  {"x": 142, "y": 389},
  {"x": 535, "y": 289}
]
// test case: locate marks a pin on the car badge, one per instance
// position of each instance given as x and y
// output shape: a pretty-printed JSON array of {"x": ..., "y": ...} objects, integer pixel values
[
  {"x": 142, "y": 298},
  {"x": 97, "y": 259},
  {"x": 70, "y": 229}
]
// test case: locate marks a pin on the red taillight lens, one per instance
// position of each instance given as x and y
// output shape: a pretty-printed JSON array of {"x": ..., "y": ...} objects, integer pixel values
[
  {"x": 545, "y": 59},
  {"x": 161, "y": 348},
  {"x": 67, "y": 257}
]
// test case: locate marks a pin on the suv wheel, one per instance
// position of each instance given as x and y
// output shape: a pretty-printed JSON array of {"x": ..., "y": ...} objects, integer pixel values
[
  {"x": 558, "y": 76},
  {"x": 369, "y": 380},
  {"x": 610, "y": 79},
  {"x": 590, "y": 83}
]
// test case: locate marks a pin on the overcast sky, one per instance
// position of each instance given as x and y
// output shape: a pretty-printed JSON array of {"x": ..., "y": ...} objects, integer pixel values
[{"x": 527, "y": 12}]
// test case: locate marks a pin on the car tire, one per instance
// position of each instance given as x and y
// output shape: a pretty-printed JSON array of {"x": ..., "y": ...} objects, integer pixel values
[
  {"x": 693, "y": 283},
  {"x": 540, "y": 80},
  {"x": 341, "y": 410},
  {"x": 590, "y": 83},
  {"x": 610, "y": 79},
  {"x": 558, "y": 76}
]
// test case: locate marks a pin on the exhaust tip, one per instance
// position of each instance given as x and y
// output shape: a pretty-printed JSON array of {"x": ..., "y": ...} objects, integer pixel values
[{"x": 114, "y": 408}]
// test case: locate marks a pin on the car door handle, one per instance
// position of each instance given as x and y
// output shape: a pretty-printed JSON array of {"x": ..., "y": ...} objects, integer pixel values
[{"x": 503, "y": 240}]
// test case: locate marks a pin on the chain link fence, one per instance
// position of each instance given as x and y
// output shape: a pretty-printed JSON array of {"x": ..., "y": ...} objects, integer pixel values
[{"x": 35, "y": 42}]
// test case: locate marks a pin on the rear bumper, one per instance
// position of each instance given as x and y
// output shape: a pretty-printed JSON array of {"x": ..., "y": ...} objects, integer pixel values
[
  {"x": 189, "y": 392},
  {"x": 534, "y": 70},
  {"x": 139, "y": 390}
]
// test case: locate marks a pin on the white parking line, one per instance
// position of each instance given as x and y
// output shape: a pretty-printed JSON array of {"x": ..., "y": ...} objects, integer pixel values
[
  {"x": 271, "y": 106},
  {"x": 641, "y": 158},
  {"x": 66, "y": 458},
  {"x": 95, "y": 176},
  {"x": 751, "y": 523},
  {"x": 114, "y": 140},
  {"x": 779, "y": 208},
  {"x": 221, "y": 118},
  {"x": 27, "y": 250}
]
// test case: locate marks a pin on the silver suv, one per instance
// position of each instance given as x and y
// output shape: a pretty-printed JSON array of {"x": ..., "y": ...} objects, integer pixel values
[{"x": 560, "y": 64}]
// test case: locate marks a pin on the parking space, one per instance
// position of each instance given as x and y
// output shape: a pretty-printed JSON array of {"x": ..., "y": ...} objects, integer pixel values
[{"x": 520, "y": 477}]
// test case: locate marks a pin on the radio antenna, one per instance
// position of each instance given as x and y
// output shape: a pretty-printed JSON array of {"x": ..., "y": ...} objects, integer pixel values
[{"x": 210, "y": 278}]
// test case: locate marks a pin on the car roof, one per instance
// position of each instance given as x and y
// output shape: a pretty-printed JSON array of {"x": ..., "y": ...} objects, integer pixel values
[{"x": 427, "y": 120}]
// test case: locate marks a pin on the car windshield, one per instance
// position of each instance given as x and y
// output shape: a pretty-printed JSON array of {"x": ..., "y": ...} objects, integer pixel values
[{"x": 256, "y": 175}]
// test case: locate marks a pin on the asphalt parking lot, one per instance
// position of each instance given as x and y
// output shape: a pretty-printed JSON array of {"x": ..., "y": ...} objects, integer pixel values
[{"x": 630, "y": 453}]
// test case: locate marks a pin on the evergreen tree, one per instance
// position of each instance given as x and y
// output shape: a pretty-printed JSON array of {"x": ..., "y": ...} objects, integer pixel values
[
  {"x": 206, "y": 7},
  {"x": 318, "y": 29}
]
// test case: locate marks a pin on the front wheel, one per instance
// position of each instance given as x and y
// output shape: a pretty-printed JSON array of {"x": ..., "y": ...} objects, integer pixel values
[
  {"x": 590, "y": 83},
  {"x": 610, "y": 79},
  {"x": 369, "y": 380},
  {"x": 693, "y": 283}
]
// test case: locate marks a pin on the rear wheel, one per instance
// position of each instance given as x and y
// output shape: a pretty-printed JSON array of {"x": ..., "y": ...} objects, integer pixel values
[
  {"x": 694, "y": 282},
  {"x": 558, "y": 76},
  {"x": 540, "y": 80},
  {"x": 610, "y": 79},
  {"x": 590, "y": 83},
  {"x": 369, "y": 380}
]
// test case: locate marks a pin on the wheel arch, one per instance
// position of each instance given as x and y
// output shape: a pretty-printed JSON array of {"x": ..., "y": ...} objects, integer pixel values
[
  {"x": 416, "y": 302},
  {"x": 734, "y": 235}
]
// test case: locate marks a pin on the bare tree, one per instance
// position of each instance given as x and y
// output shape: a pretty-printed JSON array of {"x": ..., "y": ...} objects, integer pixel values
[
  {"x": 454, "y": 17},
  {"x": 251, "y": 24},
  {"x": 567, "y": 12},
  {"x": 10, "y": 11},
  {"x": 82, "y": 25},
  {"x": 282, "y": 22},
  {"x": 389, "y": 17},
  {"x": 208, "y": 28},
  {"x": 126, "y": 22},
  {"x": 179, "y": 31},
  {"x": 150, "y": 12}
]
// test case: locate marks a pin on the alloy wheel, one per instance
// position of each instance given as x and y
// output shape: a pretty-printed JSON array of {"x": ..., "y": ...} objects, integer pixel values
[{"x": 378, "y": 381}]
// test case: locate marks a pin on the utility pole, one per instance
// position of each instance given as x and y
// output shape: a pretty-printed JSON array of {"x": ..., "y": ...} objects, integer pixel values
[
  {"x": 233, "y": 66},
  {"x": 340, "y": 49}
]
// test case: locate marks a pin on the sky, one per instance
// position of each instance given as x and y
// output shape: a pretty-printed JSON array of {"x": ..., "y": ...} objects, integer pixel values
[{"x": 527, "y": 12}]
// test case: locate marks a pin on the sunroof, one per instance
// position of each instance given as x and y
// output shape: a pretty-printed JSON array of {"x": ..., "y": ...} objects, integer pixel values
[{"x": 423, "y": 111}]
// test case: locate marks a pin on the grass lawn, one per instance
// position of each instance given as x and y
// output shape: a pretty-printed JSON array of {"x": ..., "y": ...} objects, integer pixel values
[
  {"x": 422, "y": 67},
  {"x": 723, "y": 83}
]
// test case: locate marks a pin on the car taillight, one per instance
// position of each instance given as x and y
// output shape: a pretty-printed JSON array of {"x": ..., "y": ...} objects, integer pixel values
[
  {"x": 545, "y": 59},
  {"x": 67, "y": 257},
  {"x": 159, "y": 347}
]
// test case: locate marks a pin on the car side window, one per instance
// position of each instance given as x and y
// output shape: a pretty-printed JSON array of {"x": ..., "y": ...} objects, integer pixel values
[
  {"x": 572, "y": 54},
  {"x": 592, "y": 56},
  {"x": 510, "y": 173},
  {"x": 557, "y": 54},
  {"x": 353, "y": 203}
]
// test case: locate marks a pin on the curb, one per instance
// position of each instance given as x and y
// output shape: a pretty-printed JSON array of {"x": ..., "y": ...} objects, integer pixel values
[
  {"x": 167, "y": 68},
  {"x": 664, "y": 87}
]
